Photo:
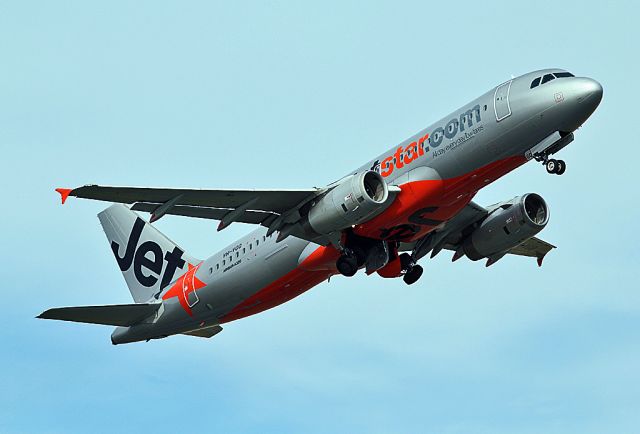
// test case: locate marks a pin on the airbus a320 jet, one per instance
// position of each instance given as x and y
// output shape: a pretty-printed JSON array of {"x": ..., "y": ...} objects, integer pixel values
[{"x": 411, "y": 201}]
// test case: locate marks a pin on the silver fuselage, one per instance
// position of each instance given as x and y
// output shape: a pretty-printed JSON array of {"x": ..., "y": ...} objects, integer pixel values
[{"x": 506, "y": 122}]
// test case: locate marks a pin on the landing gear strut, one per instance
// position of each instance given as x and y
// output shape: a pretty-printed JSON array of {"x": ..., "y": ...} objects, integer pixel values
[{"x": 355, "y": 257}]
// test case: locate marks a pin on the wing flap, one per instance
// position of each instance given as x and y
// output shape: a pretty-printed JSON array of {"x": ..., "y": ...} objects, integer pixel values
[
  {"x": 116, "y": 315},
  {"x": 533, "y": 247},
  {"x": 253, "y": 217}
]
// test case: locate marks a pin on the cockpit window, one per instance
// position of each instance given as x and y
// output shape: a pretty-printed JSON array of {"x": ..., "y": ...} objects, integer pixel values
[
  {"x": 547, "y": 78},
  {"x": 535, "y": 82}
]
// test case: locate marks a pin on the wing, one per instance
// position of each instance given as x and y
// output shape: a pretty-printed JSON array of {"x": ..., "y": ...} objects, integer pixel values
[
  {"x": 455, "y": 230},
  {"x": 247, "y": 206},
  {"x": 533, "y": 247},
  {"x": 277, "y": 201}
]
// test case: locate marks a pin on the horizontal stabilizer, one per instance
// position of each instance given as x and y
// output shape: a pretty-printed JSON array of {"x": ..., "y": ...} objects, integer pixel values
[{"x": 116, "y": 315}]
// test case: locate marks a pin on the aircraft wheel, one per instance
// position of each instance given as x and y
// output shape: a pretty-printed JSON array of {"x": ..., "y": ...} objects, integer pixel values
[
  {"x": 347, "y": 265},
  {"x": 413, "y": 275},
  {"x": 406, "y": 261},
  {"x": 562, "y": 166},
  {"x": 552, "y": 166}
]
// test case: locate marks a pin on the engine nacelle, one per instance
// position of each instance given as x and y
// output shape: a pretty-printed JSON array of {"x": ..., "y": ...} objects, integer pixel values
[
  {"x": 357, "y": 198},
  {"x": 507, "y": 227}
]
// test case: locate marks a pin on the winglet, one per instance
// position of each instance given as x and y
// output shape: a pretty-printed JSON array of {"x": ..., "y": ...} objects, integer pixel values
[
  {"x": 64, "y": 193},
  {"x": 540, "y": 258}
]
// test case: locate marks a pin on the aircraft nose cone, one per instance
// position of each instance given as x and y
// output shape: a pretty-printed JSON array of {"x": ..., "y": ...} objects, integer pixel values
[
  {"x": 585, "y": 96},
  {"x": 589, "y": 92}
]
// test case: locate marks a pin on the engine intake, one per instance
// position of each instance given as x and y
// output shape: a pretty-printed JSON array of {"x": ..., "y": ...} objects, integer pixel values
[
  {"x": 508, "y": 226},
  {"x": 353, "y": 201}
]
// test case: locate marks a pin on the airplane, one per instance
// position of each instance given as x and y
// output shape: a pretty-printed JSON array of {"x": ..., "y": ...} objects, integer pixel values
[{"x": 411, "y": 201}]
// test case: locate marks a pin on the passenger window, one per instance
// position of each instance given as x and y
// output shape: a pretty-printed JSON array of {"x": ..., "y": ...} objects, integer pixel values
[
  {"x": 535, "y": 82},
  {"x": 250, "y": 246},
  {"x": 244, "y": 250},
  {"x": 237, "y": 254},
  {"x": 264, "y": 238},
  {"x": 257, "y": 242},
  {"x": 217, "y": 266},
  {"x": 563, "y": 74},
  {"x": 547, "y": 78},
  {"x": 224, "y": 261}
]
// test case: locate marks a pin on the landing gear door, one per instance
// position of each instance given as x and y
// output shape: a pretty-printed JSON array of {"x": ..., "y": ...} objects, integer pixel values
[
  {"x": 377, "y": 257},
  {"x": 501, "y": 101}
]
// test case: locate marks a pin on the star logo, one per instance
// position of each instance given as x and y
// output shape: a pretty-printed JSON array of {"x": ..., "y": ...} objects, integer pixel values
[{"x": 186, "y": 284}]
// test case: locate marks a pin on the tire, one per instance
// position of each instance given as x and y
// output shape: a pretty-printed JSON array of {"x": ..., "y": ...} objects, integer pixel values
[
  {"x": 413, "y": 275},
  {"x": 405, "y": 261},
  {"x": 347, "y": 265},
  {"x": 562, "y": 166},
  {"x": 552, "y": 166}
]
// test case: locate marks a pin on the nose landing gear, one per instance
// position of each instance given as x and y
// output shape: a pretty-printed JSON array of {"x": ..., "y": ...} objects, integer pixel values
[{"x": 556, "y": 167}]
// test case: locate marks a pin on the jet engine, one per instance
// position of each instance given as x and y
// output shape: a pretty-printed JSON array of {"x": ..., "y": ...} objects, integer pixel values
[
  {"x": 507, "y": 226},
  {"x": 353, "y": 201}
]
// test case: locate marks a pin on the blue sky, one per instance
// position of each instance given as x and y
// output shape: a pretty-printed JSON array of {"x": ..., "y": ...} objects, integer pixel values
[{"x": 277, "y": 94}]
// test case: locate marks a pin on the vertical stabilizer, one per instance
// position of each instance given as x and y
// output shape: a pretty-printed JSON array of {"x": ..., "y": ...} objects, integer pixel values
[{"x": 149, "y": 261}]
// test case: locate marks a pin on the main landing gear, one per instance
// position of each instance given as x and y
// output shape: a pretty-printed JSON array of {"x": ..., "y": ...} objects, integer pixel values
[
  {"x": 353, "y": 258},
  {"x": 350, "y": 260},
  {"x": 412, "y": 271},
  {"x": 413, "y": 275}
]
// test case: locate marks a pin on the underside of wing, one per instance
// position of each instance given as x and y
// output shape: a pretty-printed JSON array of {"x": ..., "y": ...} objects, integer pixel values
[
  {"x": 453, "y": 234},
  {"x": 533, "y": 247}
]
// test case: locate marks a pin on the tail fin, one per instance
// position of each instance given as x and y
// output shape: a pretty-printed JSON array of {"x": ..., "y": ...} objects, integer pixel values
[{"x": 148, "y": 260}]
